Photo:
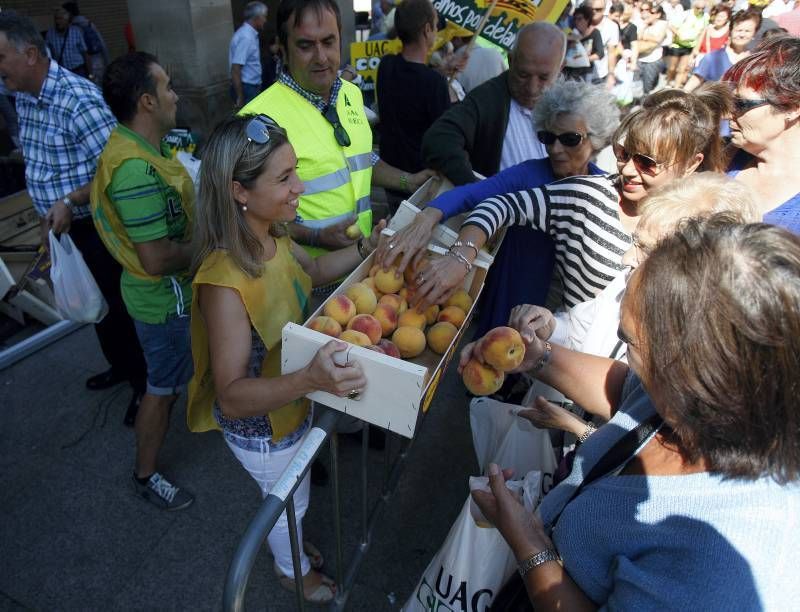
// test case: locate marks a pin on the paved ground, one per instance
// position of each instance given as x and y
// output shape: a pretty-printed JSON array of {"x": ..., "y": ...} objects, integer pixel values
[{"x": 74, "y": 537}]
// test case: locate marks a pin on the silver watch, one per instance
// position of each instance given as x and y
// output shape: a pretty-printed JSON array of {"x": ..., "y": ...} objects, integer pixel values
[
  {"x": 68, "y": 202},
  {"x": 549, "y": 554}
]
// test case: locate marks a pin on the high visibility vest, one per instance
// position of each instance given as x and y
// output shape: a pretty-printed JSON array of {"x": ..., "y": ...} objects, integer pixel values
[{"x": 337, "y": 179}]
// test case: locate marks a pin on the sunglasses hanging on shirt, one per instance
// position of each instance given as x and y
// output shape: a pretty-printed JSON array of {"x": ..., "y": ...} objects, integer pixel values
[{"x": 339, "y": 133}]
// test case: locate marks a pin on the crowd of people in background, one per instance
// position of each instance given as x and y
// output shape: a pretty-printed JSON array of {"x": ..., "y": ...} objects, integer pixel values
[{"x": 657, "y": 289}]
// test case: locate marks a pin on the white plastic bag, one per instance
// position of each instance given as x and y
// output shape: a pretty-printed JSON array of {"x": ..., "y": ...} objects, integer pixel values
[
  {"x": 510, "y": 441},
  {"x": 473, "y": 563},
  {"x": 77, "y": 296}
]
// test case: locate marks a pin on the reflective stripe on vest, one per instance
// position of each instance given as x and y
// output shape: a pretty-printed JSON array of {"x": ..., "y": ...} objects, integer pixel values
[{"x": 362, "y": 206}]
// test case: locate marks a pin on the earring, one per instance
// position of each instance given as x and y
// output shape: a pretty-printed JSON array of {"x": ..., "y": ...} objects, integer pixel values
[{"x": 244, "y": 207}]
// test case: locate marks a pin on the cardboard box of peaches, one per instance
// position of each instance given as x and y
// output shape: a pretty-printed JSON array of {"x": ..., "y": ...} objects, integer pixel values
[{"x": 403, "y": 352}]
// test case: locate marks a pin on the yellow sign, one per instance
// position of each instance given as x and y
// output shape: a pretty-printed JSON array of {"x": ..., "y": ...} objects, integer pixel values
[
  {"x": 505, "y": 20},
  {"x": 365, "y": 57}
]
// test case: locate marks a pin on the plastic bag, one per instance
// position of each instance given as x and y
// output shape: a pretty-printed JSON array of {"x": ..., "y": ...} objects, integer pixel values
[
  {"x": 473, "y": 563},
  {"x": 78, "y": 297},
  {"x": 510, "y": 441}
]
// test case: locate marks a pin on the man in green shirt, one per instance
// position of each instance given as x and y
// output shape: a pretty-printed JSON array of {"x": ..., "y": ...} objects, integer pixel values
[{"x": 142, "y": 202}]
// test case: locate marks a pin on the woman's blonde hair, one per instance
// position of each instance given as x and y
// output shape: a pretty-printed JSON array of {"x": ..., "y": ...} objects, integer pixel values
[
  {"x": 219, "y": 223},
  {"x": 700, "y": 195},
  {"x": 673, "y": 126}
]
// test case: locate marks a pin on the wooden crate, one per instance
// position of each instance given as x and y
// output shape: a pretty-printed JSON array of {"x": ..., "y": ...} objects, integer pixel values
[{"x": 398, "y": 390}]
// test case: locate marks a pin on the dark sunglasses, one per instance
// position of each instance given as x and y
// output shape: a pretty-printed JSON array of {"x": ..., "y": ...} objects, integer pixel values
[
  {"x": 339, "y": 133},
  {"x": 741, "y": 105},
  {"x": 642, "y": 162},
  {"x": 568, "y": 139},
  {"x": 257, "y": 129}
]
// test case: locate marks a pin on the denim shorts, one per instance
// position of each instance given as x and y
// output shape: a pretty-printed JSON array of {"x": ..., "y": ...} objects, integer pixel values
[{"x": 168, "y": 352}]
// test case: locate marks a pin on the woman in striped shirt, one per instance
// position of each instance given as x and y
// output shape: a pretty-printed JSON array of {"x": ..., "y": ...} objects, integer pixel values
[{"x": 591, "y": 218}]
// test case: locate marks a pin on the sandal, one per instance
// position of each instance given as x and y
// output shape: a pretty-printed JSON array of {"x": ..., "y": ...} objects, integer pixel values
[{"x": 323, "y": 593}]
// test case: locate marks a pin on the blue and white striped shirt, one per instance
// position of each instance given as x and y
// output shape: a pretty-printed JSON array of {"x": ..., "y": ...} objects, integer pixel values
[
  {"x": 62, "y": 133},
  {"x": 67, "y": 48}
]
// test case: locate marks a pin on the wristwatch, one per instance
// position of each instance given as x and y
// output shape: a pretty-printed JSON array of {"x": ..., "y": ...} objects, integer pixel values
[
  {"x": 549, "y": 554},
  {"x": 68, "y": 202}
]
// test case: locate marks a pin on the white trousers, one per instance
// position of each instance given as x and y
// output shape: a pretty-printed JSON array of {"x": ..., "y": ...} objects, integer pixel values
[{"x": 266, "y": 467}]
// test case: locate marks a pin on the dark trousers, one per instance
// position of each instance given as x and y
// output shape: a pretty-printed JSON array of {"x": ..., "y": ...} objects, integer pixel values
[{"x": 116, "y": 333}]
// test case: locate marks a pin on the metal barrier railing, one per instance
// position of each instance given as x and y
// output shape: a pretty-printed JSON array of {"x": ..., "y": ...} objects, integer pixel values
[{"x": 280, "y": 498}]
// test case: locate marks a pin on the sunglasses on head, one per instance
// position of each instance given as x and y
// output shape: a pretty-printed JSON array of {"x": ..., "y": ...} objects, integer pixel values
[
  {"x": 339, "y": 133},
  {"x": 742, "y": 105},
  {"x": 641, "y": 162},
  {"x": 257, "y": 129},
  {"x": 568, "y": 139}
]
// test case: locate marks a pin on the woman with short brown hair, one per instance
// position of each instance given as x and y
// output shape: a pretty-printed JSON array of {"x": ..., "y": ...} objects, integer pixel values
[{"x": 689, "y": 497}]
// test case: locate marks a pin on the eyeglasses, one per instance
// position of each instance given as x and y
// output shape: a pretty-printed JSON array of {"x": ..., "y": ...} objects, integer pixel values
[
  {"x": 568, "y": 139},
  {"x": 257, "y": 129},
  {"x": 742, "y": 105},
  {"x": 339, "y": 133},
  {"x": 642, "y": 162}
]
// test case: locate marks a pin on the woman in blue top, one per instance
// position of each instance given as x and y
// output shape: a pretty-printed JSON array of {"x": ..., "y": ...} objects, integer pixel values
[
  {"x": 574, "y": 120},
  {"x": 689, "y": 497},
  {"x": 766, "y": 128}
]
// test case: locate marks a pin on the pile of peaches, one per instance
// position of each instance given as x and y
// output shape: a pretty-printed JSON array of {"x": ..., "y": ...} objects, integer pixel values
[{"x": 375, "y": 314}]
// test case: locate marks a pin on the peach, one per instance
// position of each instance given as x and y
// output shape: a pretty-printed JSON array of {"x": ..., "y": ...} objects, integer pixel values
[
  {"x": 367, "y": 325},
  {"x": 387, "y": 317},
  {"x": 440, "y": 336},
  {"x": 370, "y": 282},
  {"x": 461, "y": 299},
  {"x": 431, "y": 313},
  {"x": 452, "y": 314},
  {"x": 363, "y": 297},
  {"x": 480, "y": 378},
  {"x": 392, "y": 299},
  {"x": 412, "y": 318},
  {"x": 353, "y": 231},
  {"x": 355, "y": 337},
  {"x": 326, "y": 325},
  {"x": 340, "y": 308},
  {"x": 390, "y": 348},
  {"x": 410, "y": 341},
  {"x": 376, "y": 348},
  {"x": 503, "y": 348},
  {"x": 388, "y": 281}
]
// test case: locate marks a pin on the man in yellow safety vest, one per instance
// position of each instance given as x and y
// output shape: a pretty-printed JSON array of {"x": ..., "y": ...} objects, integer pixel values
[{"x": 324, "y": 118}]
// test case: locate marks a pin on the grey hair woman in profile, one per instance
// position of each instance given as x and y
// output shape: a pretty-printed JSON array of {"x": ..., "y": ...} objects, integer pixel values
[{"x": 574, "y": 120}]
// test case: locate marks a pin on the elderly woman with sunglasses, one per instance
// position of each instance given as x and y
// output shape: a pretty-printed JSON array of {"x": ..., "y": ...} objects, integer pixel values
[
  {"x": 574, "y": 120},
  {"x": 250, "y": 280},
  {"x": 591, "y": 218},
  {"x": 689, "y": 497},
  {"x": 766, "y": 127}
]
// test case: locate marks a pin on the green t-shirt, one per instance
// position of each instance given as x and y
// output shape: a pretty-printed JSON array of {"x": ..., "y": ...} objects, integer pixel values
[{"x": 149, "y": 210}]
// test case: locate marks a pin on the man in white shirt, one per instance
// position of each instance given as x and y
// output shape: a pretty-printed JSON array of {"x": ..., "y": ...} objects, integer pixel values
[
  {"x": 609, "y": 32},
  {"x": 244, "y": 55}
]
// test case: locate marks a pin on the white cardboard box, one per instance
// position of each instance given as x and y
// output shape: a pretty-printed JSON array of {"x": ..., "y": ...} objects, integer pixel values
[{"x": 398, "y": 390}]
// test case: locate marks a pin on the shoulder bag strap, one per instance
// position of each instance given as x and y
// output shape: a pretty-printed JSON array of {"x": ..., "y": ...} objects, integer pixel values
[{"x": 615, "y": 456}]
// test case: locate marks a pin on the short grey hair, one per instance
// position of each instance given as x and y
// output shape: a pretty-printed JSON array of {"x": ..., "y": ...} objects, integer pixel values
[
  {"x": 21, "y": 32},
  {"x": 254, "y": 9},
  {"x": 593, "y": 103}
]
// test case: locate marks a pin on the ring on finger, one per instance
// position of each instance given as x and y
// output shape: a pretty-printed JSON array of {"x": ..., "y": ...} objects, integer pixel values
[
  {"x": 353, "y": 394},
  {"x": 390, "y": 247}
]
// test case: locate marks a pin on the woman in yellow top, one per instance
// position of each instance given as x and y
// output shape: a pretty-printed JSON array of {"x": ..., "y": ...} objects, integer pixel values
[{"x": 250, "y": 280}]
